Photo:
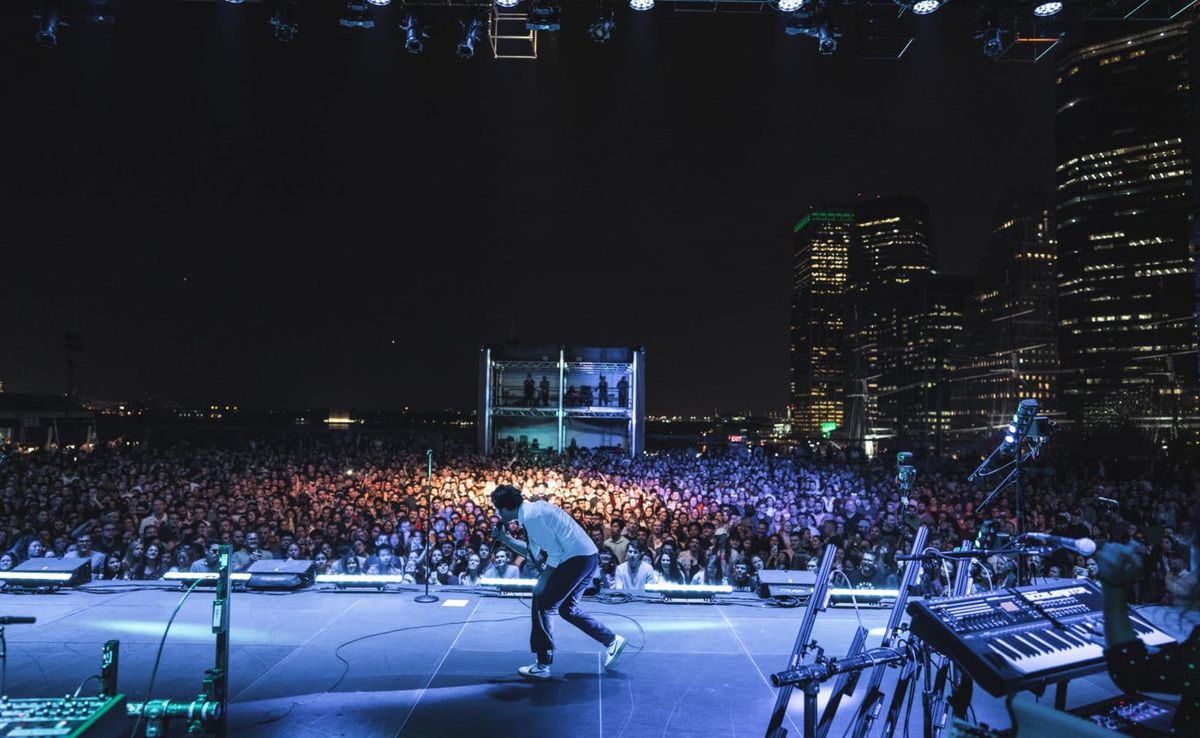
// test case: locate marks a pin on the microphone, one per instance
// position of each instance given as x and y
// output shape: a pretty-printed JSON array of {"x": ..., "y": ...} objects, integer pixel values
[
  {"x": 823, "y": 670},
  {"x": 17, "y": 620},
  {"x": 1081, "y": 546}
]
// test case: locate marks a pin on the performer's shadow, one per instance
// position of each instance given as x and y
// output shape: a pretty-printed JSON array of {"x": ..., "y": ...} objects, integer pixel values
[{"x": 568, "y": 688}]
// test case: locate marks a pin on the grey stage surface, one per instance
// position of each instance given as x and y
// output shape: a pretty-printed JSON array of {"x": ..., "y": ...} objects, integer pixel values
[{"x": 702, "y": 669}]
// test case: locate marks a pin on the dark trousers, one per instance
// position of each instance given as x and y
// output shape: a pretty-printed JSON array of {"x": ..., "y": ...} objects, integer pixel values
[{"x": 562, "y": 592}]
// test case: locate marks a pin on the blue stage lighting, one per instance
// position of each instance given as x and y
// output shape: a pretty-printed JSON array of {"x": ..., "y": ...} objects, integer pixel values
[
  {"x": 507, "y": 3},
  {"x": 787, "y": 6},
  {"x": 356, "y": 15},
  {"x": 48, "y": 23},
  {"x": 380, "y": 3},
  {"x": 925, "y": 7},
  {"x": 415, "y": 33},
  {"x": 472, "y": 29},
  {"x": 641, "y": 4},
  {"x": 813, "y": 20},
  {"x": 544, "y": 15},
  {"x": 601, "y": 29},
  {"x": 1045, "y": 10}
]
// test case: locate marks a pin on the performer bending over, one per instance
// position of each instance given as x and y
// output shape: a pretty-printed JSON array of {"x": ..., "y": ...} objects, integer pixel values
[
  {"x": 1174, "y": 668},
  {"x": 571, "y": 562}
]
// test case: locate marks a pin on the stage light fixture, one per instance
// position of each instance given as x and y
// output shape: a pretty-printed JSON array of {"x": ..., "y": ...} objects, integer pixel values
[
  {"x": 1045, "y": 10},
  {"x": 204, "y": 576},
  {"x": 641, "y": 4},
  {"x": 380, "y": 3},
  {"x": 1022, "y": 422},
  {"x": 544, "y": 15},
  {"x": 98, "y": 11},
  {"x": 472, "y": 29},
  {"x": 787, "y": 6},
  {"x": 235, "y": 2},
  {"x": 510, "y": 587},
  {"x": 48, "y": 23},
  {"x": 356, "y": 15},
  {"x": 688, "y": 592},
  {"x": 374, "y": 581},
  {"x": 507, "y": 3},
  {"x": 813, "y": 20},
  {"x": 415, "y": 32},
  {"x": 601, "y": 29},
  {"x": 925, "y": 7},
  {"x": 283, "y": 27}
]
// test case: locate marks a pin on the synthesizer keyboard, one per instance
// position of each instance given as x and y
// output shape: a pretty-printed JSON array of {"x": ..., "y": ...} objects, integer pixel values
[
  {"x": 1025, "y": 637},
  {"x": 61, "y": 717}
]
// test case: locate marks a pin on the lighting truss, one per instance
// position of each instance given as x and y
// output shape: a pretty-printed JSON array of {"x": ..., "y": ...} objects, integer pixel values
[{"x": 1009, "y": 30}]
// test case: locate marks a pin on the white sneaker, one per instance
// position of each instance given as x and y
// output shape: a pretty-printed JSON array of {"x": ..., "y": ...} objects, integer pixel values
[
  {"x": 535, "y": 671},
  {"x": 613, "y": 652}
]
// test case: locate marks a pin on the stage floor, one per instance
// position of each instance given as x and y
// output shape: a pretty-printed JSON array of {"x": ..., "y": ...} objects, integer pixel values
[{"x": 303, "y": 665}]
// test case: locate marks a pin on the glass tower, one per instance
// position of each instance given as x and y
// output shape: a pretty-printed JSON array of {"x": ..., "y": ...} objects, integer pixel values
[{"x": 1126, "y": 284}]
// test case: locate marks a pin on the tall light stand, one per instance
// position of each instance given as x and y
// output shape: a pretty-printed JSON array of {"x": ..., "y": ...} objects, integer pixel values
[{"x": 429, "y": 532}]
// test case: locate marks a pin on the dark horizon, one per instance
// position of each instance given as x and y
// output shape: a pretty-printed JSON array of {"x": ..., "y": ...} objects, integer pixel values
[{"x": 228, "y": 220}]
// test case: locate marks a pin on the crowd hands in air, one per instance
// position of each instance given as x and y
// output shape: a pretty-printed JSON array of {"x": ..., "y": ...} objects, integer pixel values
[{"x": 672, "y": 517}]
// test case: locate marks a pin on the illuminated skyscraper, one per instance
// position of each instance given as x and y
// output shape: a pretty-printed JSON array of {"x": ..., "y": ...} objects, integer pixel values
[
  {"x": 1012, "y": 321},
  {"x": 891, "y": 262},
  {"x": 1126, "y": 292},
  {"x": 818, "y": 371}
]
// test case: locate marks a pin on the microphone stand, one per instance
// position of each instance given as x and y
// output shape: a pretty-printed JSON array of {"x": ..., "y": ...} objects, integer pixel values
[{"x": 423, "y": 598}]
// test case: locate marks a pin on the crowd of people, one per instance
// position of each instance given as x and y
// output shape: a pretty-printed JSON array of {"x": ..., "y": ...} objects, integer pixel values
[{"x": 363, "y": 504}]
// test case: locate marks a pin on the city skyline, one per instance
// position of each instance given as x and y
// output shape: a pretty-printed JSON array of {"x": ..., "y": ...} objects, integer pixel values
[{"x": 216, "y": 236}]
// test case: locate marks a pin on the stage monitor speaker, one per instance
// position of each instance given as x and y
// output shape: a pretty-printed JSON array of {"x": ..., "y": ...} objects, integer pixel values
[
  {"x": 773, "y": 583},
  {"x": 280, "y": 574},
  {"x": 49, "y": 572}
]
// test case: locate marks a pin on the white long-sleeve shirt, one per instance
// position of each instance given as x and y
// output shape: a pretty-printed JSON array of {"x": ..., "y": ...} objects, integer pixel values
[
  {"x": 549, "y": 528},
  {"x": 638, "y": 578}
]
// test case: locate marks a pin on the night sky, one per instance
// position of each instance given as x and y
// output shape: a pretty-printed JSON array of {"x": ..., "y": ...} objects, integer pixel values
[{"x": 337, "y": 223}]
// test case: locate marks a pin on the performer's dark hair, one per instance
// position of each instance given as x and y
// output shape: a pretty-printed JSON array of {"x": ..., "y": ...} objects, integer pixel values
[{"x": 506, "y": 497}]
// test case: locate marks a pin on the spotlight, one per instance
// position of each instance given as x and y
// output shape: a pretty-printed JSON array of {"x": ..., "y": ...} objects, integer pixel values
[
  {"x": 472, "y": 28},
  {"x": 48, "y": 23},
  {"x": 827, "y": 41},
  {"x": 380, "y": 3},
  {"x": 991, "y": 32},
  {"x": 1023, "y": 419},
  {"x": 641, "y": 4},
  {"x": 787, "y": 6},
  {"x": 601, "y": 29},
  {"x": 925, "y": 7},
  {"x": 993, "y": 43},
  {"x": 507, "y": 3},
  {"x": 283, "y": 27},
  {"x": 813, "y": 20},
  {"x": 356, "y": 15},
  {"x": 415, "y": 33},
  {"x": 1045, "y": 10},
  {"x": 235, "y": 2},
  {"x": 98, "y": 11},
  {"x": 543, "y": 15}
]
